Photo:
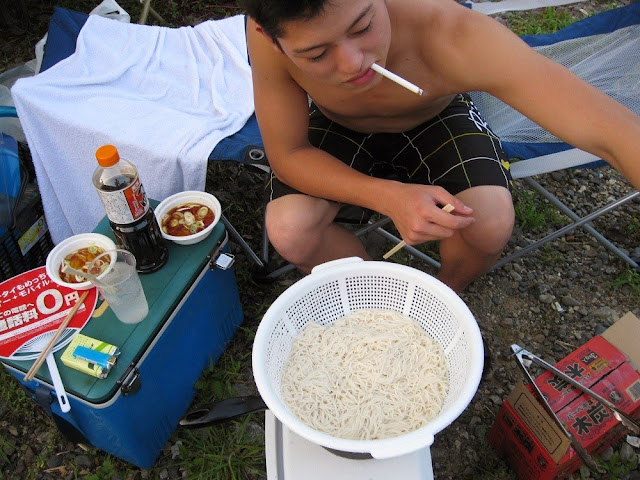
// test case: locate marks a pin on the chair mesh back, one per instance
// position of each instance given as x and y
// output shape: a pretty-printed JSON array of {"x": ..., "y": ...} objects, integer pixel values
[{"x": 610, "y": 62}]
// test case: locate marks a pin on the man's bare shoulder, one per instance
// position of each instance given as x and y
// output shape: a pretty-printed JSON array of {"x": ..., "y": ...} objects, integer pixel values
[
  {"x": 433, "y": 17},
  {"x": 261, "y": 48},
  {"x": 460, "y": 49}
]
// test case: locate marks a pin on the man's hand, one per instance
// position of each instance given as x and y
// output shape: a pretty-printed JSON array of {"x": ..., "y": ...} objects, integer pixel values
[{"x": 417, "y": 213}]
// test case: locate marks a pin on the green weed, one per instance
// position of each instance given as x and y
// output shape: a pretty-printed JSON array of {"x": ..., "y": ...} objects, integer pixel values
[
  {"x": 18, "y": 403},
  {"x": 614, "y": 468},
  {"x": 548, "y": 20},
  {"x": 633, "y": 227},
  {"x": 219, "y": 380},
  {"x": 549, "y": 255},
  {"x": 229, "y": 451},
  {"x": 106, "y": 471},
  {"x": 631, "y": 279},
  {"x": 5, "y": 445},
  {"x": 40, "y": 462},
  {"x": 532, "y": 212},
  {"x": 173, "y": 11}
]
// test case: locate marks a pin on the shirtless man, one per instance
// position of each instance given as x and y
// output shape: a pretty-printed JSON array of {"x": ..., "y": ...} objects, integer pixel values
[{"x": 372, "y": 143}]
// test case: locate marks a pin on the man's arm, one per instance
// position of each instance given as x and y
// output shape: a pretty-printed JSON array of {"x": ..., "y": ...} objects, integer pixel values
[{"x": 495, "y": 60}]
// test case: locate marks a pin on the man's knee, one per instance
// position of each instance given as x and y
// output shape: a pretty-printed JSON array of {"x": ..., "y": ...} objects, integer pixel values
[
  {"x": 284, "y": 229},
  {"x": 494, "y": 225},
  {"x": 491, "y": 234},
  {"x": 295, "y": 227},
  {"x": 496, "y": 235}
]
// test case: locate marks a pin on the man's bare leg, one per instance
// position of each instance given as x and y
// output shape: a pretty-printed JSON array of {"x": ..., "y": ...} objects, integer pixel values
[
  {"x": 472, "y": 252},
  {"x": 302, "y": 229}
]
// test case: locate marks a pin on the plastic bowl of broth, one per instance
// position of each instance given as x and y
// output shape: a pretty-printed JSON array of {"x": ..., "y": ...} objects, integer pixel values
[
  {"x": 188, "y": 217},
  {"x": 79, "y": 251}
]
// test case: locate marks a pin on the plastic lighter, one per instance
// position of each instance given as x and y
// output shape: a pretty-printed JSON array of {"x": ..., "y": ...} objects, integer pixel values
[{"x": 90, "y": 356}]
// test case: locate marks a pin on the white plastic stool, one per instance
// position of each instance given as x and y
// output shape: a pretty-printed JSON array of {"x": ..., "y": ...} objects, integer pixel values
[{"x": 291, "y": 457}]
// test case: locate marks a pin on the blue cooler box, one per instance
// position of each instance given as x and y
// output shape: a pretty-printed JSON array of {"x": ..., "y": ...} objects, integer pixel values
[{"x": 194, "y": 310}]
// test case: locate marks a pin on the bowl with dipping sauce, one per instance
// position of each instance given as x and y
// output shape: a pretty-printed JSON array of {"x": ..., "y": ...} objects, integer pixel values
[
  {"x": 188, "y": 217},
  {"x": 78, "y": 251}
]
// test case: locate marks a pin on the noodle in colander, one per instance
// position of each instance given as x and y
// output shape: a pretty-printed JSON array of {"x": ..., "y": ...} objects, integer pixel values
[{"x": 373, "y": 374}]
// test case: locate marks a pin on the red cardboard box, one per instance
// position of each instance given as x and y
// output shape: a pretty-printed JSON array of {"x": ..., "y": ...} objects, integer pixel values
[
  {"x": 587, "y": 365},
  {"x": 530, "y": 440}
]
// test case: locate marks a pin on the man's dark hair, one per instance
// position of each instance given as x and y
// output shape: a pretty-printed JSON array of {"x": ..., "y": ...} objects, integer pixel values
[{"x": 271, "y": 14}]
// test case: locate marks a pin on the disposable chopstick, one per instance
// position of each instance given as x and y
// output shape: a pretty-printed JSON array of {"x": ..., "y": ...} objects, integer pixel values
[
  {"x": 397, "y": 78},
  {"x": 101, "y": 309},
  {"x": 447, "y": 208},
  {"x": 47, "y": 349}
]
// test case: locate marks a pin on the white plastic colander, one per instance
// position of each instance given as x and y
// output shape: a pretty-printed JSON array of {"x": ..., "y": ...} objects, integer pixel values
[{"x": 337, "y": 288}]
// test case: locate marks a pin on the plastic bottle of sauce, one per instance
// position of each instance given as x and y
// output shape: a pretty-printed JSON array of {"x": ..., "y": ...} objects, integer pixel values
[{"x": 130, "y": 216}]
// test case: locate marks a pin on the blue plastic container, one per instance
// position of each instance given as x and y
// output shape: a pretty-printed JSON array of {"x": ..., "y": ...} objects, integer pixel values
[
  {"x": 25, "y": 241},
  {"x": 11, "y": 178}
]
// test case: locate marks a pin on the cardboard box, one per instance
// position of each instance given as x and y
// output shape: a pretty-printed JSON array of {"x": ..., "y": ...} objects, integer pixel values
[{"x": 529, "y": 438}]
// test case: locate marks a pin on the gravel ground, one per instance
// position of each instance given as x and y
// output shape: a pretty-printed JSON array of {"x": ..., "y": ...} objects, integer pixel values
[{"x": 550, "y": 302}]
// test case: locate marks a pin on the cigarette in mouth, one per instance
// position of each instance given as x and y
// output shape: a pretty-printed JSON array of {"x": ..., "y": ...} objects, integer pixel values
[{"x": 395, "y": 78}]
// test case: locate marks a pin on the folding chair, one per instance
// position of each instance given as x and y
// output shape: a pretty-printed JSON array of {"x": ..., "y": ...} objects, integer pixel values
[
  {"x": 64, "y": 28},
  {"x": 604, "y": 50}
]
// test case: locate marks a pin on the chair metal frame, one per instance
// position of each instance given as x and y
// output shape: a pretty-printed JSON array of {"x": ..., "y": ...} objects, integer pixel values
[
  {"x": 146, "y": 10},
  {"x": 576, "y": 220}
]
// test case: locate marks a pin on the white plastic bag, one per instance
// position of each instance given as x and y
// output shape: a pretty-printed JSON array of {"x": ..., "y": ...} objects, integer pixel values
[
  {"x": 107, "y": 9},
  {"x": 40, "y": 52},
  {"x": 9, "y": 77},
  {"x": 9, "y": 125},
  {"x": 110, "y": 9}
]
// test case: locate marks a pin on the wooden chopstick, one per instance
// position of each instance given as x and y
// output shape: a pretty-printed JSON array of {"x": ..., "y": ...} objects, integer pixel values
[
  {"x": 101, "y": 309},
  {"x": 43, "y": 355},
  {"x": 447, "y": 208}
]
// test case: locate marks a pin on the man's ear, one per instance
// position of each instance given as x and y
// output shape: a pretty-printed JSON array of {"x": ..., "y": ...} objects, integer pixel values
[{"x": 269, "y": 39}]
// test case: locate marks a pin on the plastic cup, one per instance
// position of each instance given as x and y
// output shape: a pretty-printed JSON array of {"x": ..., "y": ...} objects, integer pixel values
[{"x": 120, "y": 285}]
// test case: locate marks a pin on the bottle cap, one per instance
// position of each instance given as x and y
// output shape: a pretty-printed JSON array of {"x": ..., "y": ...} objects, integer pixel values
[{"x": 107, "y": 156}]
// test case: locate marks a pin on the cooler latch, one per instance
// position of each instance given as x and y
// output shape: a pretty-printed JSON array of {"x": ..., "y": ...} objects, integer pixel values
[
  {"x": 219, "y": 259},
  {"x": 130, "y": 381},
  {"x": 224, "y": 261}
]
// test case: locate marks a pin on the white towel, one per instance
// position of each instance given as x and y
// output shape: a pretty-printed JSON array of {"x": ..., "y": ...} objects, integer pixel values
[{"x": 164, "y": 96}]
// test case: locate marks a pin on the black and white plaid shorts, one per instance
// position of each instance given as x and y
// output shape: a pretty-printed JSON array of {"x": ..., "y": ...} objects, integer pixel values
[{"x": 455, "y": 150}]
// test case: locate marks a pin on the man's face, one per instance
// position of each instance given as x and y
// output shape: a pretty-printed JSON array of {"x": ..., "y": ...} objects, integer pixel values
[{"x": 339, "y": 46}]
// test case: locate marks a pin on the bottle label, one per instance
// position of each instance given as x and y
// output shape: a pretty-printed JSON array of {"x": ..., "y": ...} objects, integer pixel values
[{"x": 126, "y": 205}]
